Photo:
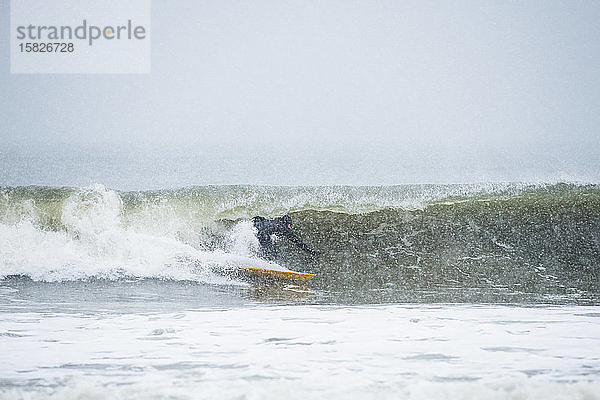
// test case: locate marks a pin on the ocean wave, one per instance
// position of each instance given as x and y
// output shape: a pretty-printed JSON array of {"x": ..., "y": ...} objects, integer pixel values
[{"x": 522, "y": 238}]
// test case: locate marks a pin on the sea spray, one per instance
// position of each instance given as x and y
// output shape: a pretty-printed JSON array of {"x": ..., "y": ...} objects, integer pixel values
[{"x": 92, "y": 241}]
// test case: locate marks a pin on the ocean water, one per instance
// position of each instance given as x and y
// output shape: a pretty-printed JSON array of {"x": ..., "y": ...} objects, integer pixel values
[{"x": 481, "y": 291}]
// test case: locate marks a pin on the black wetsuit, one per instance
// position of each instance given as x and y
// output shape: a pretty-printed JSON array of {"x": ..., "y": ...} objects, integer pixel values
[{"x": 278, "y": 226}]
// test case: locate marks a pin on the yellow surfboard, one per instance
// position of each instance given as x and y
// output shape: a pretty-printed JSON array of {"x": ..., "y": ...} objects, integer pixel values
[{"x": 273, "y": 273}]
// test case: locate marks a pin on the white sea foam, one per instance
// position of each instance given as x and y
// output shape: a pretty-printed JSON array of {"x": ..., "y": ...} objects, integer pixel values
[
  {"x": 299, "y": 352},
  {"x": 158, "y": 386},
  {"x": 94, "y": 242}
]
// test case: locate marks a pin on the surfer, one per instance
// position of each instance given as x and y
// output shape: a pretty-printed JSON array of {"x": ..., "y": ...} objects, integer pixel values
[{"x": 277, "y": 226}]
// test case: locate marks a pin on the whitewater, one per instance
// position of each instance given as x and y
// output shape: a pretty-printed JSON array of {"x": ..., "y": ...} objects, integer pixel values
[{"x": 487, "y": 291}]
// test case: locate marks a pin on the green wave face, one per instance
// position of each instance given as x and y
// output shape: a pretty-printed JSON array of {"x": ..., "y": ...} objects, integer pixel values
[{"x": 480, "y": 243}]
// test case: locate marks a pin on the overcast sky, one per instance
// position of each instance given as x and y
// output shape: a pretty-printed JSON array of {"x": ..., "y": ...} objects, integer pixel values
[{"x": 496, "y": 84}]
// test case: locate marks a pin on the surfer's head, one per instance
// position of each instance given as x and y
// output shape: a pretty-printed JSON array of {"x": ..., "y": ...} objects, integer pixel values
[{"x": 286, "y": 220}]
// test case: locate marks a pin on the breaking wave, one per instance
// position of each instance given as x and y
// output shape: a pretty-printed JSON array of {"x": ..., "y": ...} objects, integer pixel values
[{"x": 511, "y": 238}]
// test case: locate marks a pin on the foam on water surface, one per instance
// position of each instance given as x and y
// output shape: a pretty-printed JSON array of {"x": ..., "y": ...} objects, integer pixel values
[{"x": 388, "y": 351}]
